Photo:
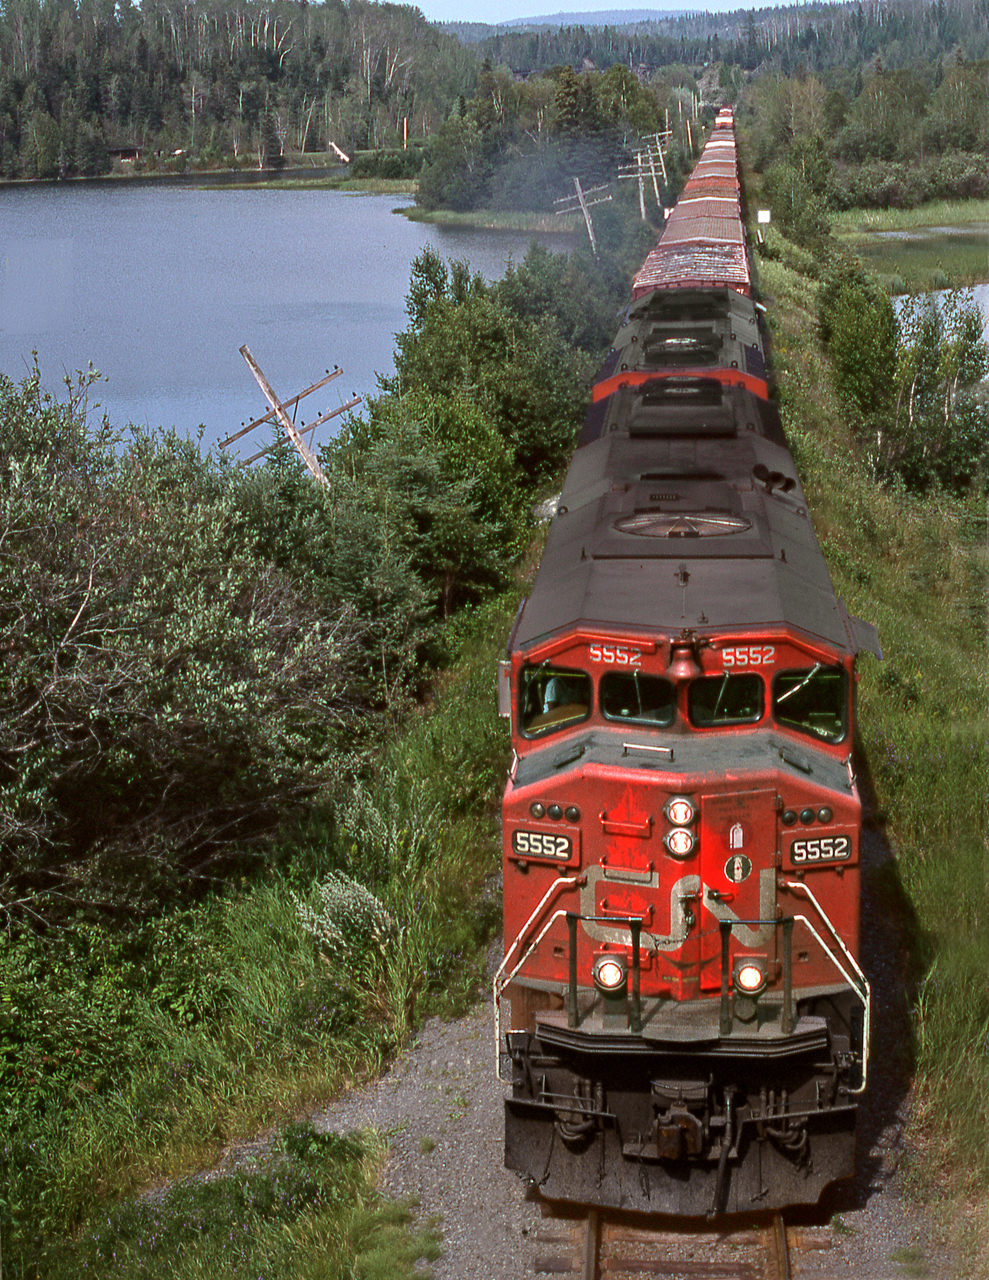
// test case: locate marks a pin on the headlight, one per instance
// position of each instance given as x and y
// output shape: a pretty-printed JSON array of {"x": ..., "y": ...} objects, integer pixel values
[
  {"x": 750, "y": 976},
  {"x": 680, "y": 842},
  {"x": 609, "y": 973},
  {"x": 680, "y": 811}
]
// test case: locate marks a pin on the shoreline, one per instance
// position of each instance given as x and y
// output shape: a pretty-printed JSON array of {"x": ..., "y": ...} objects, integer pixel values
[{"x": 940, "y": 245}]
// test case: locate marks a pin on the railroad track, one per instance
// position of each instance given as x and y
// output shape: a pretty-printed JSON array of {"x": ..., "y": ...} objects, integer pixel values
[{"x": 597, "y": 1244}]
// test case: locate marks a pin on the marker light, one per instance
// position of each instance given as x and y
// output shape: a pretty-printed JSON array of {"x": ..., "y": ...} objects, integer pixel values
[
  {"x": 609, "y": 973},
  {"x": 537, "y": 810},
  {"x": 680, "y": 842},
  {"x": 680, "y": 812},
  {"x": 750, "y": 978}
]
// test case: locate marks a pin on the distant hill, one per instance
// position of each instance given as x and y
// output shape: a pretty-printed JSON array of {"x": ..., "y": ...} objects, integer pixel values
[
  {"x": 602, "y": 18},
  {"x": 472, "y": 32}
]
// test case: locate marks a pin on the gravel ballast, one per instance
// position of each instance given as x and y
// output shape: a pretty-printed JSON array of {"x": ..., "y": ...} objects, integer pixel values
[{"x": 441, "y": 1108}]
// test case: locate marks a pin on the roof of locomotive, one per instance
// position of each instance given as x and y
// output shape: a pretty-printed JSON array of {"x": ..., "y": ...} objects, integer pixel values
[
  {"x": 689, "y": 328},
  {"x": 682, "y": 507},
  {"x": 684, "y": 519}
]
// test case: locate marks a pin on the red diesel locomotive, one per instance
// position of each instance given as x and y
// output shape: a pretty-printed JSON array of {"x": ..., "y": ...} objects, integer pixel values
[{"x": 680, "y": 1011}]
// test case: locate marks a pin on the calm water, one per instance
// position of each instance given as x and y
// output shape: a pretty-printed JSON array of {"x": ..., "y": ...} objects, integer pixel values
[{"x": 159, "y": 286}]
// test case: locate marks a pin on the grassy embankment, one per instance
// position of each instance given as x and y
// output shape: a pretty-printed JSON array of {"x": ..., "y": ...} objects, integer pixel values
[
  {"x": 939, "y": 245},
  {"x": 917, "y": 567},
  {"x": 141, "y": 1057},
  {"x": 500, "y": 220}
]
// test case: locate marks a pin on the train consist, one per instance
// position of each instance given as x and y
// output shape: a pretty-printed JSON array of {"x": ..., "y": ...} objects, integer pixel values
[{"x": 680, "y": 1012}]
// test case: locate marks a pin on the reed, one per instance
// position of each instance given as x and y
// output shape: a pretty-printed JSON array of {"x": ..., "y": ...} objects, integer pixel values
[{"x": 935, "y": 213}]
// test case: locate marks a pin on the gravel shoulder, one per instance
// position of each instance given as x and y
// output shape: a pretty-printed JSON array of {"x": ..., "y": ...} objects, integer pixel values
[{"x": 441, "y": 1109}]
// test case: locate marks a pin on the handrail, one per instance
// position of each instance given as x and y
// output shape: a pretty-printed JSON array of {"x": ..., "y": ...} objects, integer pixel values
[
  {"x": 861, "y": 986},
  {"x": 497, "y": 985},
  {"x": 849, "y": 969}
]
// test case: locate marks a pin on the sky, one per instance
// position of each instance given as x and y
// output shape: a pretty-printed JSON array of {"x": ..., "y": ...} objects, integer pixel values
[{"x": 494, "y": 11}]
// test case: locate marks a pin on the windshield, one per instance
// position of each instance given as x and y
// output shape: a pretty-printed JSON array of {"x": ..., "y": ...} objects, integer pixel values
[
  {"x": 813, "y": 700},
  {"x": 553, "y": 697},
  {"x": 726, "y": 699},
  {"x": 638, "y": 699}
]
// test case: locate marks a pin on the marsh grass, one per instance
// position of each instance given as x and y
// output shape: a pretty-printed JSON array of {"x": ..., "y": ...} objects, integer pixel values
[
  {"x": 500, "y": 220},
  {"x": 935, "y": 213},
  {"x": 327, "y": 182},
  {"x": 914, "y": 260},
  {"x": 934, "y": 262},
  {"x": 917, "y": 567}
]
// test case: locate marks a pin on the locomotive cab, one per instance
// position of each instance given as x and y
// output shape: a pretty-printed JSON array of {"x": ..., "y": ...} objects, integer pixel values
[{"x": 678, "y": 981}]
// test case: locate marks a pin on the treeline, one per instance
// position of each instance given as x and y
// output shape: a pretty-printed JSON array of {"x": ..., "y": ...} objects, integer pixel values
[
  {"x": 786, "y": 38},
  {"x": 238, "y": 83},
  {"x": 247, "y": 82},
  {"x": 867, "y": 104},
  {"x": 903, "y": 137}
]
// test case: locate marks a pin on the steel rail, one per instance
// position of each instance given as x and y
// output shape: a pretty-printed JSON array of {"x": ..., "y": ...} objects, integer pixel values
[
  {"x": 597, "y": 1243},
  {"x": 780, "y": 1248}
]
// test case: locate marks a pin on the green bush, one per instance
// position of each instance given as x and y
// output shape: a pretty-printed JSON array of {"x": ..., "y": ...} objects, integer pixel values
[
  {"x": 798, "y": 209},
  {"x": 775, "y": 246},
  {"x": 167, "y": 694},
  {"x": 393, "y": 163},
  {"x": 859, "y": 329}
]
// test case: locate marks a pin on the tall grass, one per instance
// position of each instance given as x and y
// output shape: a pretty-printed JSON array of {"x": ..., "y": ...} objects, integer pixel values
[
  {"x": 935, "y": 213},
  {"x": 928, "y": 263},
  {"x": 307, "y": 1208},
  {"x": 938, "y": 260},
  {"x": 131, "y": 1057},
  {"x": 917, "y": 567},
  {"x": 501, "y": 220}
]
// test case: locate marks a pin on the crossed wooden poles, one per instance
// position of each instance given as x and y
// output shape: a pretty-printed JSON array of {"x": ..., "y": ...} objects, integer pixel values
[{"x": 278, "y": 411}]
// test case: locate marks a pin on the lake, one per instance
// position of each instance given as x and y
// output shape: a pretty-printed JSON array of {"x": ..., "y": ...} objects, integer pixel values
[{"x": 160, "y": 284}]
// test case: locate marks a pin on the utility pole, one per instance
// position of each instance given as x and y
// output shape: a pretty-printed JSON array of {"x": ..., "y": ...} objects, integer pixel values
[
  {"x": 278, "y": 412},
  {"x": 629, "y": 171},
  {"x": 585, "y": 203}
]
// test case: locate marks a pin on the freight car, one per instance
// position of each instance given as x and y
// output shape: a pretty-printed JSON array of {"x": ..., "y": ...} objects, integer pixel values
[{"x": 681, "y": 1014}]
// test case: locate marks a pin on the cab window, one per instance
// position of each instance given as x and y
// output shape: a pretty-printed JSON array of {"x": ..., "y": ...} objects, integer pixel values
[
  {"x": 813, "y": 700},
  {"x": 553, "y": 697},
  {"x": 725, "y": 699},
  {"x": 638, "y": 699}
]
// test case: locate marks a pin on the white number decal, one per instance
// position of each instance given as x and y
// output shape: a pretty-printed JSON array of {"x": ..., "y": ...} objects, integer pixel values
[
  {"x": 823, "y": 849},
  {"x": 615, "y": 655},
  {"x": 541, "y": 844},
  {"x": 749, "y": 655}
]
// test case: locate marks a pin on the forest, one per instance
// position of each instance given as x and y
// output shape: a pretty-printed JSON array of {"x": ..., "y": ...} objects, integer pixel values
[
  {"x": 223, "y": 83},
  {"x": 211, "y": 83}
]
